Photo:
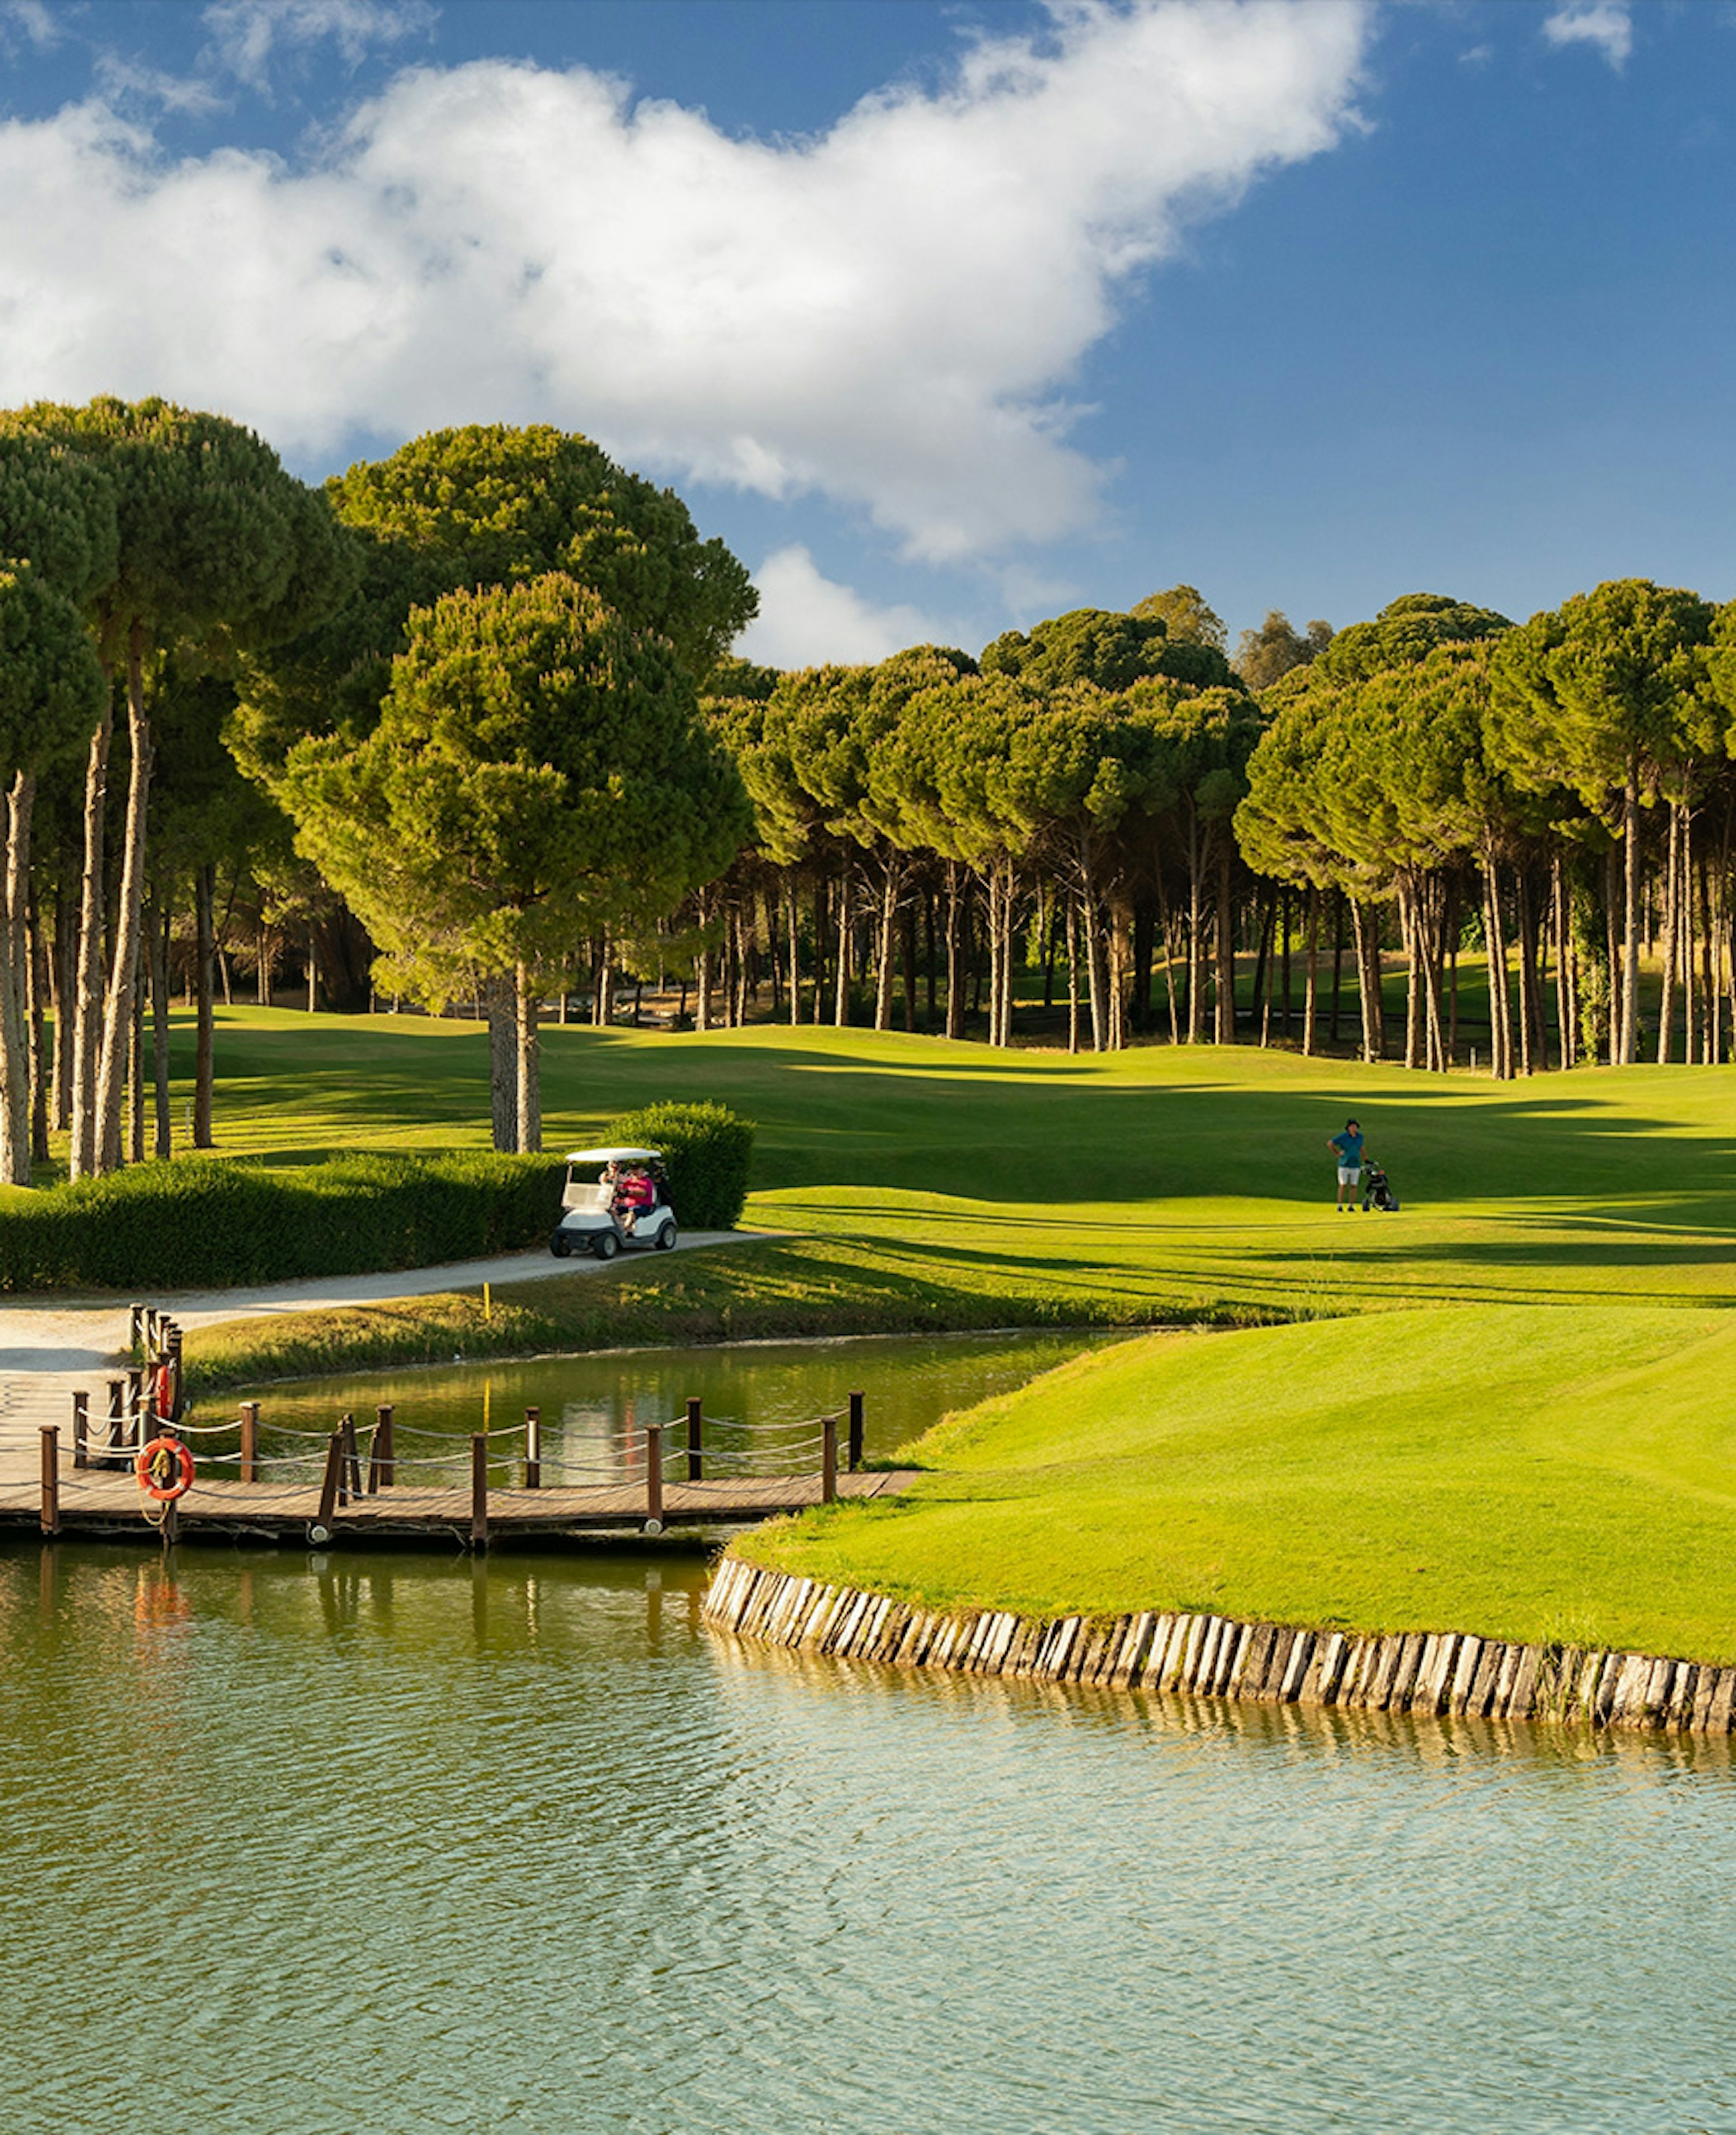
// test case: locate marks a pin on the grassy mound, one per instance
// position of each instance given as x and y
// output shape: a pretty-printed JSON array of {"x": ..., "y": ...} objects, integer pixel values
[
  {"x": 1523, "y": 1474},
  {"x": 1194, "y": 1179}
]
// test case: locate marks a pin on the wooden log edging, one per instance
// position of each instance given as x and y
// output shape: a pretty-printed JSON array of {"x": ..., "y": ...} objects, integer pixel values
[{"x": 1419, "y": 1672}]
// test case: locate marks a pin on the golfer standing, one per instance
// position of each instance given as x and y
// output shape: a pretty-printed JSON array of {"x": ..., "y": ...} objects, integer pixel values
[{"x": 1348, "y": 1149}]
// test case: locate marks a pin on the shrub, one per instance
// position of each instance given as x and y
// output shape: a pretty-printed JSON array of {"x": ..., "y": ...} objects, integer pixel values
[
  {"x": 707, "y": 1151},
  {"x": 173, "y": 1226}
]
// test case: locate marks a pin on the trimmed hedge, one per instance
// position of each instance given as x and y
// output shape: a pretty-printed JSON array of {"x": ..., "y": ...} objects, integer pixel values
[
  {"x": 707, "y": 1151},
  {"x": 210, "y": 1222}
]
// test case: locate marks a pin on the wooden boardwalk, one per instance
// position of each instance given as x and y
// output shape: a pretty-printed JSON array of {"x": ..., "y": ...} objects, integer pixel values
[{"x": 106, "y": 1502}]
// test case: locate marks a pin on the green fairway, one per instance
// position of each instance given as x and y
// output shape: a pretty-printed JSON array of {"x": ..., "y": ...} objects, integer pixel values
[
  {"x": 1547, "y": 1450},
  {"x": 1157, "y": 1181},
  {"x": 1529, "y": 1476}
]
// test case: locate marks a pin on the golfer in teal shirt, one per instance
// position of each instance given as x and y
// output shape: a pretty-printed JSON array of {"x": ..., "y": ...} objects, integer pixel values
[{"x": 1348, "y": 1148}]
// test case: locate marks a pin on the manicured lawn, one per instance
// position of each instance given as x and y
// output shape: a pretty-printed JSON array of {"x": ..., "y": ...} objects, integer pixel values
[
  {"x": 1529, "y": 1474},
  {"x": 1159, "y": 1180},
  {"x": 1507, "y": 1409}
]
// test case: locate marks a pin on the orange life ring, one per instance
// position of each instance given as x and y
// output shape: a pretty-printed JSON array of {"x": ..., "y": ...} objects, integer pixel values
[
  {"x": 164, "y": 1469},
  {"x": 162, "y": 1398}
]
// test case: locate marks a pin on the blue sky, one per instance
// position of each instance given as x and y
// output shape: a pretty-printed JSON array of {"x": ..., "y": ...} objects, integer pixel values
[{"x": 946, "y": 317}]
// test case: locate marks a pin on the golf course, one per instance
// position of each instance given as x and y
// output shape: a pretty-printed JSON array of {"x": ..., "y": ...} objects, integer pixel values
[{"x": 1508, "y": 1408}]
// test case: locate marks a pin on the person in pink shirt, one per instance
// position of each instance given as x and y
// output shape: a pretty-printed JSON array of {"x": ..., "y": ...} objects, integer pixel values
[{"x": 635, "y": 1191}]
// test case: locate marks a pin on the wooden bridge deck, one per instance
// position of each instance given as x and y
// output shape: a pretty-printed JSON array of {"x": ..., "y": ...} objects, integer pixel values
[{"x": 100, "y": 1502}]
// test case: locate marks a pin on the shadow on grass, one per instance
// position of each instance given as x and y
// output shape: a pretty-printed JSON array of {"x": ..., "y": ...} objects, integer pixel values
[{"x": 1005, "y": 1131}]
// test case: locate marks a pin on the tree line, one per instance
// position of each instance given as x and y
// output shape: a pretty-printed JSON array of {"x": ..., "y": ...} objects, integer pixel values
[{"x": 463, "y": 723}]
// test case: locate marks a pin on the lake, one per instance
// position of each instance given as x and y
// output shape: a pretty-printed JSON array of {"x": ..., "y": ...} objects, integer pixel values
[{"x": 358, "y": 1844}]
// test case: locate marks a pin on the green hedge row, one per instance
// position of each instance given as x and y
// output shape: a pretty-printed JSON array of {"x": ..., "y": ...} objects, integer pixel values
[
  {"x": 209, "y": 1223},
  {"x": 707, "y": 1151}
]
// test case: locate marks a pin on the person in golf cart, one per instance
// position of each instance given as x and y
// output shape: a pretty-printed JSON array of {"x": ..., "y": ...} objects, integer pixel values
[
  {"x": 624, "y": 1203},
  {"x": 636, "y": 1194}
]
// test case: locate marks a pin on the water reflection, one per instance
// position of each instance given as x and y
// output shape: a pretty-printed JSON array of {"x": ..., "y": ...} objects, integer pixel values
[
  {"x": 396, "y": 1842},
  {"x": 596, "y": 1409}
]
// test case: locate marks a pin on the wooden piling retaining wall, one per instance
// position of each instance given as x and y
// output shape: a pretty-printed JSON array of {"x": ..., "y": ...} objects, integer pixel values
[{"x": 1419, "y": 1672}]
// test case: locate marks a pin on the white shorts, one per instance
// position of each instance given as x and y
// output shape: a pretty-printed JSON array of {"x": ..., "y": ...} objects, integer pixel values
[{"x": 1350, "y": 1174}]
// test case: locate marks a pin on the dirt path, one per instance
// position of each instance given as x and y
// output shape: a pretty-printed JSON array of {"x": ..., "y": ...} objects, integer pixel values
[{"x": 49, "y": 1351}]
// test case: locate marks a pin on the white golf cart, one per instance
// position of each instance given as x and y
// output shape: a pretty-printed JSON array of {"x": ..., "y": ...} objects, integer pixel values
[{"x": 596, "y": 1214}]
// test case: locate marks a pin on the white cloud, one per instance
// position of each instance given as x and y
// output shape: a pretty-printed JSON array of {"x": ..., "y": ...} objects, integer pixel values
[
  {"x": 245, "y": 34},
  {"x": 125, "y": 84},
  {"x": 890, "y": 313},
  {"x": 806, "y": 619},
  {"x": 1608, "y": 24},
  {"x": 34, "y": 19}
]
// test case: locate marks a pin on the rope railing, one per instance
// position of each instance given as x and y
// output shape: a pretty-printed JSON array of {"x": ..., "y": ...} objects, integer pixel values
[{"x": 630, "y": 1457}]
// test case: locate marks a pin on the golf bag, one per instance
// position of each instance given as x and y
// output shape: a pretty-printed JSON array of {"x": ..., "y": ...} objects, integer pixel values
[{"x": 1377, "y": 1191}]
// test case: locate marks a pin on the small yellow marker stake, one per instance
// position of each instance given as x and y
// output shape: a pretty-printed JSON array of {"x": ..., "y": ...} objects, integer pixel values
[{"x": 487, "y": 1302}]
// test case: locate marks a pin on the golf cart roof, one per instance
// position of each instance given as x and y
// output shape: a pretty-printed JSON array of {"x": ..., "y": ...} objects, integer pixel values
[{"x": 614, "y": 1155}]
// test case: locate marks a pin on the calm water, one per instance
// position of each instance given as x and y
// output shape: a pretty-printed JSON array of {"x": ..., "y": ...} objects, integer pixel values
[
  {"x": 762, "y": 1394},
  {"x": 338, "y": 1846}
]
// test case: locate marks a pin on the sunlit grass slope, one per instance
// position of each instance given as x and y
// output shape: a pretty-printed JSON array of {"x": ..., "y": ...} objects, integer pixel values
[
  {"x": 1184, "y": 1179},
  {"x": 1523, "y": 1475}
]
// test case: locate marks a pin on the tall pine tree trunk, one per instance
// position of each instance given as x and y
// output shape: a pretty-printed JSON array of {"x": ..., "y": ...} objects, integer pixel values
[
  {"x": 1686, "y": 938},
  {"x": 846, "y": 929},
  {"x": 165, "y": 1143},
  {"x": 1196, "y": 933},
  {"x": 1225, "y": 944},
  {"x": 1631, "y": 920},
  {"x": 499, "y": 1006},
  {"x": 204, "y": 958},
  {"x": 792, "y": 926},
  {"x": 124, "y": 951},
  {"x": 1073, "y": 996},
  {"x": 1311, "y": 978},
  {"x": 39, "y": 1066},
  {"x": 1672, "y": 936},
  {"x": 1501, "y": 1025},
  {"x": 1410, "y": 934},
  {"x": 1169, "y": 962},
  {"x": 886, "y": 944},
  {"x": 64, "y": 991},
  {"x": 88, "y": 993},
  {"x": 955, "y": 949},
  {"x": 527, "y": 1063},
  {"x": 1530, "y": 1057},
  {"x": 1366, "y": 931},
  {"x": 135, "y": 1064},
  {"x": 1566, "y": 1014},
  {"x": 14, "y": 987}
]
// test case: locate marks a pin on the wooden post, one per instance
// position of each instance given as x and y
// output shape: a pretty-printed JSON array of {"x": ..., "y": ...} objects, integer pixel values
[
  {"x": 533, "y": 1449},
  {"x": 51, "y": 1479},
  {"x": 171, "y": 1521},
  {"x": 654, "y": 1473},
  {"x": 351, "y": 1457},
  {"x": 828, "y": 1460},
  {"x": 856, "y": 1432},
  {"x": 329, "y": 1488},
  {"x": 249, "y": 1441},
  {"x": 479, "y": 1491},
  {"x": 117, "y": 1414},
  {"x": 383, "y": 1453},
  {"x": 81, "y": 1430},
  {"x": 696, "y": 1462},
  {"x": 135, "y": 1324},
  {"x": 135, "y": 1406},
  {"x": 174, "y": 1355}
]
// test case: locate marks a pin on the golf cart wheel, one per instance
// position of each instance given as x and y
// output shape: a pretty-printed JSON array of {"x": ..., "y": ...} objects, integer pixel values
[
  {"x": 666, "y": 1239},
  {"x": 561, "y": 1246},
  {"x": 606, "y": 1245}
]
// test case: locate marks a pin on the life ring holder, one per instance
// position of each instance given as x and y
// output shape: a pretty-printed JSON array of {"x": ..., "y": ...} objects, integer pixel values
[{"x": 164, "y": 1468}]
